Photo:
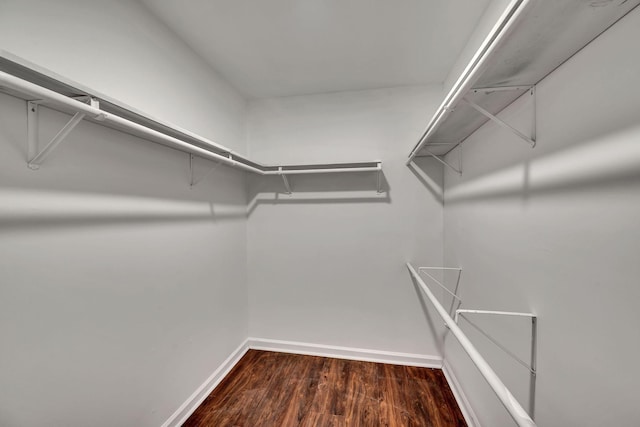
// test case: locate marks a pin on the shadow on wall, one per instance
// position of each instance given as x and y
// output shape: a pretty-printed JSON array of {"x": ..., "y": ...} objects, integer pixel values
[
  {"x": 598, "y": 164},
  {"x": 36, "y": 209},
  {"x": 101, "y": 176},
  {"x": 357, "y": 187}
]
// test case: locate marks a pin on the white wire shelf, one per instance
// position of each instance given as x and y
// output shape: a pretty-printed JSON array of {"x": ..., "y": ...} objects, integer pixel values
[
  {"x": 530, "y": 40},
  {"x": 41, "y": 87}
]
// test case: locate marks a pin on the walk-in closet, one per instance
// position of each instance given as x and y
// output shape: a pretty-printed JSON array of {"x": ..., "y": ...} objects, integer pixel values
[{"x": 319, "y": 213}]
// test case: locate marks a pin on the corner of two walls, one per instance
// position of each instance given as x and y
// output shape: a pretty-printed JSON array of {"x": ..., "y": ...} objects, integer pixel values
[
  {"x": 554, "y": 231},
  {"x": 122, "y": 288}
]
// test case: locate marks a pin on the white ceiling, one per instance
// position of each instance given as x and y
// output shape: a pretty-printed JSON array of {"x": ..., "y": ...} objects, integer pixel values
[{"x": 289, "y": 47}]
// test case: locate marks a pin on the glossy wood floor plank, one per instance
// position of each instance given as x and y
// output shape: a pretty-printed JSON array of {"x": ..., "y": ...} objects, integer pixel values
[{"x": 268, "y": 389}]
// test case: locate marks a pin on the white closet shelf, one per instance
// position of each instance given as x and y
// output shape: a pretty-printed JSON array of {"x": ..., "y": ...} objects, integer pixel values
[
  {"x": 39, "y": 86},
  {"x": 530, "y": 40}
]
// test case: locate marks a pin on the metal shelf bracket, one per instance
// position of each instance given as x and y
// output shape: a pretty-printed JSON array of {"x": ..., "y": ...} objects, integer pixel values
[
  {"x": 531, "y": 140},
  {"x": 36, "y": 158},
  {"x": 284, "y": 180},
  {"x": 457, "y": 170},
  {"x": 532, "y": 366},
  {"x": 534, "y": 333},
  {"x": 456, "y": 301},
  {"x": 192, "y": 174}
]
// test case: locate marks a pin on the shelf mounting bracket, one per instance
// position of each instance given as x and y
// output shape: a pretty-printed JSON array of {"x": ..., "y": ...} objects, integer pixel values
[
  {"x": 457, "y": 170},
  {"x": 36, "y": 158},
  {"x": 379, "y": 179},
  {"x": 531, "y": 140},
  {"x": 456, "y": 301},
  {"x": 534, "y": 329},
  {"x": 192, "y": 174},
  {"x": 285, "y": 180},
  {"x": 532, "y": 365}
]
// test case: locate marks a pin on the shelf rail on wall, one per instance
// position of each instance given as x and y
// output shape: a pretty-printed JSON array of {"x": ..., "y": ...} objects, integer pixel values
[
  {"x": 530, "y": 39},
  {"x": 469, "y": 76},
  {"x": 519, "y": 414},
  {"x": 40, "y": 87}
]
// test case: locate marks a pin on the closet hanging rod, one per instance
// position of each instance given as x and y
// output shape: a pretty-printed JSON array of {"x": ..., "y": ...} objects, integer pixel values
[
  {"x": 33, "y": 92},
  {"x": 472, "y": 71},
  {"x": 514, "y": 408}
]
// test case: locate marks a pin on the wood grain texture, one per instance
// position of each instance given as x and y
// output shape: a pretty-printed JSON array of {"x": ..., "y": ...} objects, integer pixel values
[{"x": 269, "y": 389}]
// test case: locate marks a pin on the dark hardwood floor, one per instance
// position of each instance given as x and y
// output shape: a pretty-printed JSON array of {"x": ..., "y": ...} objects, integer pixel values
[{"x": 268, "y": 389}]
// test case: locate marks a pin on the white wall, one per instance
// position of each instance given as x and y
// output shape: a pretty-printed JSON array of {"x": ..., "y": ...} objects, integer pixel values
[
  {"x": 554, "y": 230},
  {"x": 118, "y": 48},
  {"x": 326, "y": 264},
  {"x": 122, "y": 290}
]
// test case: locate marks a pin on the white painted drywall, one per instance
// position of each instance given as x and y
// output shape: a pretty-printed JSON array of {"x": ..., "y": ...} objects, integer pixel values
[
  {"x": 121, "y": 290},
  {"x": 554, "y": 230},
  {"x": 326, "y": 265},
  {"x": 118, "y": 48}
]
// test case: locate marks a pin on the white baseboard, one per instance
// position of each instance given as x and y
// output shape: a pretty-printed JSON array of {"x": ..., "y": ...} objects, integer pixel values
[
  {"x": 351, "y": 353},
  {"x": 461, "y": 398},
  {"x": 198, "y": 396}
]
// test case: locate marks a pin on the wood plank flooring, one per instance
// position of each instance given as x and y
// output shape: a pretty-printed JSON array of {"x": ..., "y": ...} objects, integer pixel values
[{"x": 268, "y": 389}]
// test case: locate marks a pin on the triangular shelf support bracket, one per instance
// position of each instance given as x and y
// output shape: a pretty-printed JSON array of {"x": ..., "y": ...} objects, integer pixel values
[
  {"x": 531, "y": 140},
  {"x": 534, "y": 334},
  {"x": 532, "y": 366},
  {"x": 285, "y": 180},
  {"x": 192, "y": 173},
  {"x": 35, "y": 157},
  {"x": 457, "y": 170}
]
